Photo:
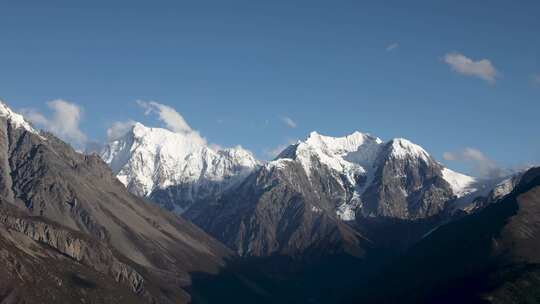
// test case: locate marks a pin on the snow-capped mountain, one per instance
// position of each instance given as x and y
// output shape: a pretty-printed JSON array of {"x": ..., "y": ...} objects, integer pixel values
[
  {"x": 358, "y": 162},
  {"x": 321, "y": 195},
  {"x": 175, "y": 169},
  {"x": 15, "y": 119},
  {"x": 64, "y": 213},
  {"x": 317, "y": 189},
  {"x": 312, "y": 193}
]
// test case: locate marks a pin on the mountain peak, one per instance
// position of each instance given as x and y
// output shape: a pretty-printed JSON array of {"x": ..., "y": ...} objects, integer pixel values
[
  {"x": 402, "y": 148},
  {"x": 139, "y": 126},
  {"x": 175, "y": 169},
  {"x": 15, "y": 118},
  {"x": 348, "y": 143}
]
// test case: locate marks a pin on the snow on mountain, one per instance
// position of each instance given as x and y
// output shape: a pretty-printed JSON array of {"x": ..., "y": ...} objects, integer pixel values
[
  {"x": 178, "y": 169},
  {"x": 340, "y": 152},
  {"x": 350, "y": 155},
  {"x": 403, "y": 148},
  {"x": 16, "y": 119},
  {"x": 353, "y": 159},
  {"x": 148, "y": 160},
  {"x": 461, "y": 184},
  {"x": 505, "y": 186}
]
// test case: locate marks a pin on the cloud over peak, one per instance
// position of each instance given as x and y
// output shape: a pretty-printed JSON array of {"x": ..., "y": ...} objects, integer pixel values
[
  {"x": 275, "y": 151},
  {"x": 173, "y": 120},
  {"x": 118, "y": 129},
  {"x": 63, "y": 122},
  {"x": 464, "y": 65},
  {"x": 481, "y": 165}
]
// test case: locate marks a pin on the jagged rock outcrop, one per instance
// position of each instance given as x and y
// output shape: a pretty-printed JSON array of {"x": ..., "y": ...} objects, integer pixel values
[{"x": 76, "y": 246}]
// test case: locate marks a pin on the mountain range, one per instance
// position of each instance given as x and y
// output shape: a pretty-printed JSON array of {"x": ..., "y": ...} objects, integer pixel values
[
  {"x": 69, "y": 230},
  {"x": 163, "y": 217},
  {"x": 315, "y": 194}
]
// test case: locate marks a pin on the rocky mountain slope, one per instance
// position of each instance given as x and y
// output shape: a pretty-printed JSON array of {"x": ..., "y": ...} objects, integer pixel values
[
  {"x": 323, "y": 192},
  {"x": 319, "y": 192},
  {"x": 69, "y": 230},
  {"x": 383, "y": 220},
  {"x": 491, "y": 256},
  {"x": 396, "y": 179},
  {"x": 488, "y": 256},
  {"x": 175, "y": 170}
]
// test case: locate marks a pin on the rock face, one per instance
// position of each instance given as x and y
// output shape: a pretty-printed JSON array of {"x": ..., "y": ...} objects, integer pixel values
[
  {"x": 407, "y": 184},
  {"x": 175, "y": 170},
  {"x": 65, "y": 220},
  {"x": 316, "y": 191},
  {"x": 277, "y": 211}
]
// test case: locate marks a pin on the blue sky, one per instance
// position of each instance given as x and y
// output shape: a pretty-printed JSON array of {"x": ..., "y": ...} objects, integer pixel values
[{"x": 237, "y": 70}]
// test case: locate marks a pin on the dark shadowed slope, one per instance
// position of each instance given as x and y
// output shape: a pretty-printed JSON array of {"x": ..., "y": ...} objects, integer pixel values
[
  {"x": 492, "y": 256},
  {"x": 70, "y": 229},
  {"x": 489, "y": 255},
  {"x": 278, "y": 211}
]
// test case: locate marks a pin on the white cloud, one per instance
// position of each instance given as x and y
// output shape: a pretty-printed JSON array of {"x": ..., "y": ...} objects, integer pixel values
[
  {"x": 64, "y": 121},
  {"x": 288, "y": 122},
  {"x": 172, "y": 119},
  {"x": 482, "y": 69},
  {"x": 451, "y": 156},
  {"x": 481, "y": 165},
  {"x": 392, "y": 47},
  {"x": 118, "y": 129}
]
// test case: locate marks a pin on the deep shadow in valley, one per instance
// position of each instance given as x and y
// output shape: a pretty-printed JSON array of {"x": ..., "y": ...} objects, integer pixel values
[
  {"x": 312, "y": 278},
  {"x": 470, "y": 260},
  {"x": 281, "y": 279}
]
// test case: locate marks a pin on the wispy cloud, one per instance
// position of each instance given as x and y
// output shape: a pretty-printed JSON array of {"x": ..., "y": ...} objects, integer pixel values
[
  {"x": 63, "y": 122},
  {"x": 464, "y": 65},
  {"x": 392, "y": 47},
  {"x": 288, "y": 122},
  {"x": 536, "y": 79},
  {"x": 274, "y": 152},
  {"x": 173, "y": 120},
  {"x": 481, "y": 165},
  {"x": 118, "y": 129}
]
